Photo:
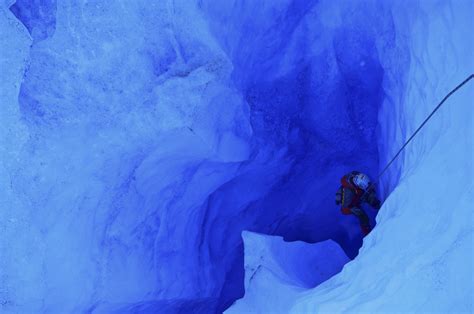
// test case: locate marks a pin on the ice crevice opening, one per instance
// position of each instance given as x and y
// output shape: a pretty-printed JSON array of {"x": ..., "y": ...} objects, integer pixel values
[{"x": 142, "y": 140}]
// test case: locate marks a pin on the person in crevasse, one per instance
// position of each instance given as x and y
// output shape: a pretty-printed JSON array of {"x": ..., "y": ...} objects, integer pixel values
[{"x": 356, "y": 189}]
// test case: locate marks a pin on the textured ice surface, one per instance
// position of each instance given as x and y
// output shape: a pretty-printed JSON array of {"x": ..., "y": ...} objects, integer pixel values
[
  {"x": 112, "y": 139},
  {"x": 276, "y": 271},
  {"x": 139, "y": 139}
]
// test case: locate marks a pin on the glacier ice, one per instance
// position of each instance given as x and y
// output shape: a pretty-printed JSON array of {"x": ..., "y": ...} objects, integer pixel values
[
  {"x": 150, "y": 150},
  {"x": 277, "y": 271},
  {"x": 420, "y": 257}
]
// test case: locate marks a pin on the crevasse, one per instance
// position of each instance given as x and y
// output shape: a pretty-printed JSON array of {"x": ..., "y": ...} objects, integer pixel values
[
  {"x": 177, "y": 156},
  {"x": 419, "y": 258}
]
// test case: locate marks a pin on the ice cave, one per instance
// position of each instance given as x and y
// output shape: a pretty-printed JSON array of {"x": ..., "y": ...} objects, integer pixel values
[{"x": 182, "y": 156}]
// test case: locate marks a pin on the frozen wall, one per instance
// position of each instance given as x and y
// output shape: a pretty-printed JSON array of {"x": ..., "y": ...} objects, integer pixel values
[
  {"x": 139, "y": 140},
  {"x": 117, "y": 125}
]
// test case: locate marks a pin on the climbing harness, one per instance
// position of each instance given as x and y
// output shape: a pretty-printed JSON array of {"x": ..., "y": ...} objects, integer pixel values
[{"x": 470, "y": 77}]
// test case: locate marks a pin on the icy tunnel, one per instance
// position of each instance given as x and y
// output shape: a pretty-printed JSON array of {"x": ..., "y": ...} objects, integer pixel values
[{"x": 143, "y": 142}]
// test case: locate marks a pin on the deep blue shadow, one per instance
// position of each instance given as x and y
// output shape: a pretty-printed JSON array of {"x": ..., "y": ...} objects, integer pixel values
[
  {"x": 38, "y": 16},
  {"x": 322, "y": 114}
]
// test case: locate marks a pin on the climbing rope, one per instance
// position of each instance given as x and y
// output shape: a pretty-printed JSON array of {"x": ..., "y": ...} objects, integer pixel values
[{"x": 419, "y": 128}]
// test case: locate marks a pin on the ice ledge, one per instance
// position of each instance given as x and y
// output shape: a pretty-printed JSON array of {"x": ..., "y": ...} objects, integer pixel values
[{"x": 276, "y": 272}]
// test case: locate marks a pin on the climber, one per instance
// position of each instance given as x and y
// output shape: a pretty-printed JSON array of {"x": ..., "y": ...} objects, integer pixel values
[{"x": 354, "y": 190}]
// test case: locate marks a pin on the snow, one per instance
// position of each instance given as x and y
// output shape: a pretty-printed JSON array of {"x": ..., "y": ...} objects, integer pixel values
[{"x": 155, "y": 154}]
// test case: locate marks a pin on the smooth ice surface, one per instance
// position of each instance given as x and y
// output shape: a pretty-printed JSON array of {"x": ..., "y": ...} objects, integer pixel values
[{"x": 139, "y": 139}]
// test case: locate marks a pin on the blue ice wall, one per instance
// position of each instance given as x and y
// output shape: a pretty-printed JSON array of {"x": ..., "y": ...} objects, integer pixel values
[{"x": 155, "y": 133}]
